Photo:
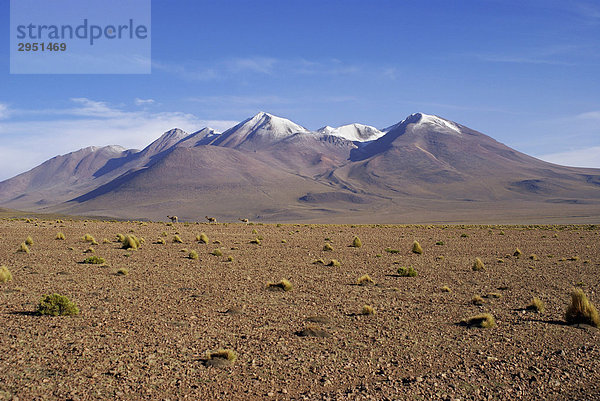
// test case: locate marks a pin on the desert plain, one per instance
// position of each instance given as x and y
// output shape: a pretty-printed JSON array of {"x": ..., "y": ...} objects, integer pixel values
[{"x": 146, "y": 335}]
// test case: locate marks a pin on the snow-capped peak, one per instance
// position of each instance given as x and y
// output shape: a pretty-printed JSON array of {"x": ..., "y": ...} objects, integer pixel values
[
  {"x": 438, "y": 122},
  {"x": 279, "y": 126},
  {"x": 353, "y": 132},
  {"x": 427, "y": 120}
]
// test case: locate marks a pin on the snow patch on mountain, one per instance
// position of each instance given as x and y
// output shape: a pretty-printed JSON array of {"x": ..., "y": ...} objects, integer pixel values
[{"x": 353, "y": 132}]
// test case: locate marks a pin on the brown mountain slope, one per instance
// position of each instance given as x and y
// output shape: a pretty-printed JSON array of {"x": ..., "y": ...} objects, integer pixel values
[{"x": 198, "y": 181}]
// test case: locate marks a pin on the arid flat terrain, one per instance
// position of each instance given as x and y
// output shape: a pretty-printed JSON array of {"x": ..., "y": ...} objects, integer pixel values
[{"x": 146, "y": 334}]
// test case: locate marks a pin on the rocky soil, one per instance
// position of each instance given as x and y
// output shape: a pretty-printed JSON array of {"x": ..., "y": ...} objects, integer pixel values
[{"x": 146, "y": 334}]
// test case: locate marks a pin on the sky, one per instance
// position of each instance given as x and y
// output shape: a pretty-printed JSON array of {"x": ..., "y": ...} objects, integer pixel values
[{"x": 522, "y": 72}]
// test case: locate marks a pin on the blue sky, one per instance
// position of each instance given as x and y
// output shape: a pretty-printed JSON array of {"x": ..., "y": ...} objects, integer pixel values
[{"x": 523, "y": 72}]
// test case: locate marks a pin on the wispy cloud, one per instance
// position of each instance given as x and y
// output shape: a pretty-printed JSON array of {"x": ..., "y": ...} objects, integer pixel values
[
  {"x": 4, "y": 111},
  {"x": 558, "y": 54},
  {"x": 143, "y": 102},
  {"x": 585, "y": 157},
  {"x": 88, "y": 123}
]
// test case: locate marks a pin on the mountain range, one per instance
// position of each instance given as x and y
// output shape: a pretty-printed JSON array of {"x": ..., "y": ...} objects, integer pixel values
[{"x": 267, "y": 168}]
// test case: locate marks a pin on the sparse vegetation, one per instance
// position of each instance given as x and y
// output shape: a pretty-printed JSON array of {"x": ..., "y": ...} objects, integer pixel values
[
  {"x": 120, "y": 238},
  {"x": 536, "y": 305},
  {"x": 445, "y": 288},
  {"x": 319, "y": 262},
  {"x": 193, "y": 255},
  {"x": 122, "y": 271},
  {"x": 29, "y": 240},
  {"x": 5, "y": 274},
  {"x": 89, "y": 238},
  {"x": 367, "y": 310},
  {"x": 284, "y": 285},
  {"x": 464, "y": 235},
  {"x": 177, "y": 239},
  {"x": 327, "y": 247},
  {"x": 255, "y": 241},
  {"x": 477, "y": 300},
  {"x": 416, "y": 248},
  {"x": 534, "y": 257},
  {"x": 390, "y": 250},
  {"x": 478, "y": 265},
  {"x": 407, "y": 271},
  {"x": 484, "y": 321},
  {"x": 94, "y": 260},
  {"x": 202, "y": 238},
  {"x": 334, "y": 263},
  {"x": 60, "y": 236},
  {"x": 56, "y": 305},
  {"x": 365, "y": 280},
  {"x": 217, "y": 252},
  {"x": 581, "y": 310},
  {"x": 131, "y": 242},
  {"x": 517, "y": 252},
  {"x": 224, "y": 354},
  {"x": 356, "y": 242},
  {"x": 440, "y": 243},
  {"x": 23, "y": 248}
]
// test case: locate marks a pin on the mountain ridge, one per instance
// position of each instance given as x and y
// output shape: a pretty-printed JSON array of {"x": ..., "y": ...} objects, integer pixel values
[{"x": 271, "y": 168}]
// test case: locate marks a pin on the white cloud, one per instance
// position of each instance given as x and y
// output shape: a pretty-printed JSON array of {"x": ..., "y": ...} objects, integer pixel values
[
  {"x": 586, "y": 157},
  {"x": 4, "y": 111},
  {"x": 143, "y": 102},
  {"x": 27, "y": 143}
]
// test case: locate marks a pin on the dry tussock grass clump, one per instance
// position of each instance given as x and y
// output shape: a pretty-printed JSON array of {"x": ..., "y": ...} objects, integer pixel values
[
  {"x": 356, "y": 243},
  {"x": 193, "y": 255},
  {"x": 224, "y": 354},
  {"x": 283, "y": 285},
  {"x": 60, "y": 236},
  {"x": 445, "y": 288},
  {"x": 477, "y": 300},
  {"x": 202, "y": 238},
  {"x": 217, "y": 252},
  {"x": 334, "y": 263},
  {"x": 367, "y": 310},
  {"x": 416, "y": 248},
  {"x": 407, "y": 271},
  {"x": 365, "y": 280},
  {"x": 29, "y": 240},
  {"x": 89, "y": 238},
  {"x": 536, "y": 305},
  {"x": 23, "y": 248},
  {"x": 5, "y": 274},
  {"x": 478, "y": 265},
  {"x": 517, "y": 252},
  {"x": 177, "y": 239},
  {"x": 131, "y": 242},
  {"x": 484, "y": 321},
  {"x": 122, "y": 271},
  {"x": 94, "y": 260},
  {"x": 581, "y": 310},
  {"x": 327, "y": 247}
]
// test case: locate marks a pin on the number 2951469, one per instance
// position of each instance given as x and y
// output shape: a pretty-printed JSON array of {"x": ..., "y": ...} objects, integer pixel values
[{"x": 44, "y": 47}]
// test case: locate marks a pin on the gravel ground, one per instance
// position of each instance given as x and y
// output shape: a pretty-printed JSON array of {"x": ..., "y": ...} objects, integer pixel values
[{"x": 145, "y": 335}]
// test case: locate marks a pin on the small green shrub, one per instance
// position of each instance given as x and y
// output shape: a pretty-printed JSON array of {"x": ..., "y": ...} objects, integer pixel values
[
  {"x": 416, "y": 248},
  {"x": 56, "y": 305},
  {"x": 390, "y": 250},
  {"x": 94, "y": 260},
  {"x": 356, "y": 242},
  {"x": 407, "y": 271},
  {"x": 5, "y": 274}
]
